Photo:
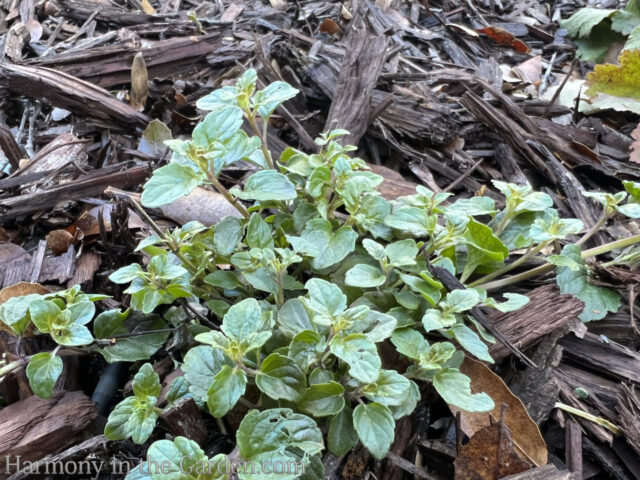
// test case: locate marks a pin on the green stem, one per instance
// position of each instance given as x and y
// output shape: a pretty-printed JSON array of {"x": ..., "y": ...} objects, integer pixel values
[
  {"x": 230, "y": 198},
  {"x": 262, "y": 135},
  {"x": 507, "y": 268},
  {"x": 601, "y": 221},
  {"x": 280, "y": 295},
  {"x": 13, "y": 366},
  {"x": 503, "y": 222},
  {"x": 534, "y": 272},
  {"x": 170, "y": 243}
]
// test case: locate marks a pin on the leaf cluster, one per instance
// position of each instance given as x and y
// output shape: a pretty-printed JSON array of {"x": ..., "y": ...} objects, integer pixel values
[{"x": 295, "y": 296}]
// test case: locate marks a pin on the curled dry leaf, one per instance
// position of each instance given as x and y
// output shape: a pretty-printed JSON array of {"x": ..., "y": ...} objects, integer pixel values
[
  {"x": 527, "y": 438},
  {"x": 489, "y": 455},
  {"x": 139, "y": 82},
  {"x": 502, "y": 37},
  {"x": 329, "y": 26},
  {"x": 59, "y": 241},
  {"x": 34, "y": 28},
  {"x": 19, "y": 290}
]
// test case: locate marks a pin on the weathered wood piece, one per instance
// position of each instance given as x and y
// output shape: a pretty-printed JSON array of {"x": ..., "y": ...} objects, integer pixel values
[
  {"x": 573, "y": 445},
  {"x": 547, "y": 310},
  {"x": 89, "y": 185},
  {"x": 629, "y": 415},
  {"x": 71, "y": 93},
  {"x": 83, "y": 9},
  {"x": 361, "y": 65},
  {"x": 538, "y": 388},
  {"x": 34, "y": 428},
  {"x": 184, "y": 419},
  {"x": 111, "y": 65},
  {"x": 548, "y": 472},
  {"x": 9, "y": 146},
  {"x": 77, "y": 453},
  {"x": 610, "y": 359}
]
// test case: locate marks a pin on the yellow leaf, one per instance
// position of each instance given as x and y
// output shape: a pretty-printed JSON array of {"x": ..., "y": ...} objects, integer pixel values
[
  {"x": 147, "y": 7},
  {"x": 620, "y": 80}
]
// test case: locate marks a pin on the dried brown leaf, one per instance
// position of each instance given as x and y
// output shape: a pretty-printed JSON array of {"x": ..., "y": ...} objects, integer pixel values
[
  {"x": 59, "y": 241},
  {"x": 526, "y": 436},
  {"x": 139, "y": 83},
  {"x": 489, "y": 455}
]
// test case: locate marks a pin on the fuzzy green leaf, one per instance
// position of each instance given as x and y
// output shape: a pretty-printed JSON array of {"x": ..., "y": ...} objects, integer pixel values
[
  {"x": 169, "y": 183},
  {"x": 364, "y": 276},
  {"x": 583, "y": 20},
  {"x": 320, "y": 242},
  {"x": 360, "y": 353},
  {"x": 341, "y": 436},
  {"x": 455, "y": 388},
  {"x": 43, "y": 371},
  {"x": 322, "y": 399},
  {"x": 375, "y": 426},
  {"x": 266, "y": 185},
  {"x": 598, "y": 301},
  {"x": 228, "y": 386},
  {"x": 281, "y": 378}
]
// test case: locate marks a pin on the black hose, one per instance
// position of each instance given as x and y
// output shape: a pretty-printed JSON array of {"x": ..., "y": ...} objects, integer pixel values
[{"x": 108, "y": 386}]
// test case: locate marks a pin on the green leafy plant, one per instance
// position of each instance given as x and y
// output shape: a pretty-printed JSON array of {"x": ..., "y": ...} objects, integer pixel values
[
  {"x": 595, "y": 29},
  {"x": 290, "y": 301}
]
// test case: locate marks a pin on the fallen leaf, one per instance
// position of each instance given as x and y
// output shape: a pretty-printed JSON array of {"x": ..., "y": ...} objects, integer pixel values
[
  {"x": 147, "y": 7},
  {"x": 10, "y": 252},
  {"x": 329, "y": 26},
  {"x": 34, "y": 28},
  {"x": 139, "y": 83},
  {"x": 527, "y": 438},
  {"x": 586, "y": 151},
  {"x": 278, "y": 4},
  {"x": 59, "y": 241},
  {"x": 635, "y": 145},
  {"x": 19, "y": 290},
  {"x": 530, "y": 71},
  {"x": 58, "y": 114},
  {"x": 463, "y": 28},
  {"x": 619, "y": 80},
  {"x": 502, "y": 37},
  {"x": 153, "y": 137},
  {"x": 489, "y": 455}
]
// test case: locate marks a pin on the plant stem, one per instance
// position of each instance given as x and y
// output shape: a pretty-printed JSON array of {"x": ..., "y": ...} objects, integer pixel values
[
  {"x": 280, "y": 295},
  {"x": 12, "y": 366},
  {"x": 503, "y": 222},
  {"x": 507, "y": 268},
  {"x": 601, "y": 221},
  {"x": 230, "y": 198},
  {"x": 534, "y": 272},
  {"x": 172, "y": 246},
  {"x": 262, "y": 135}
]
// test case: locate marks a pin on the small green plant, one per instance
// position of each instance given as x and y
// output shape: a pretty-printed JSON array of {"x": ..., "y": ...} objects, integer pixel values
[{"x": 289, "y": 301}]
